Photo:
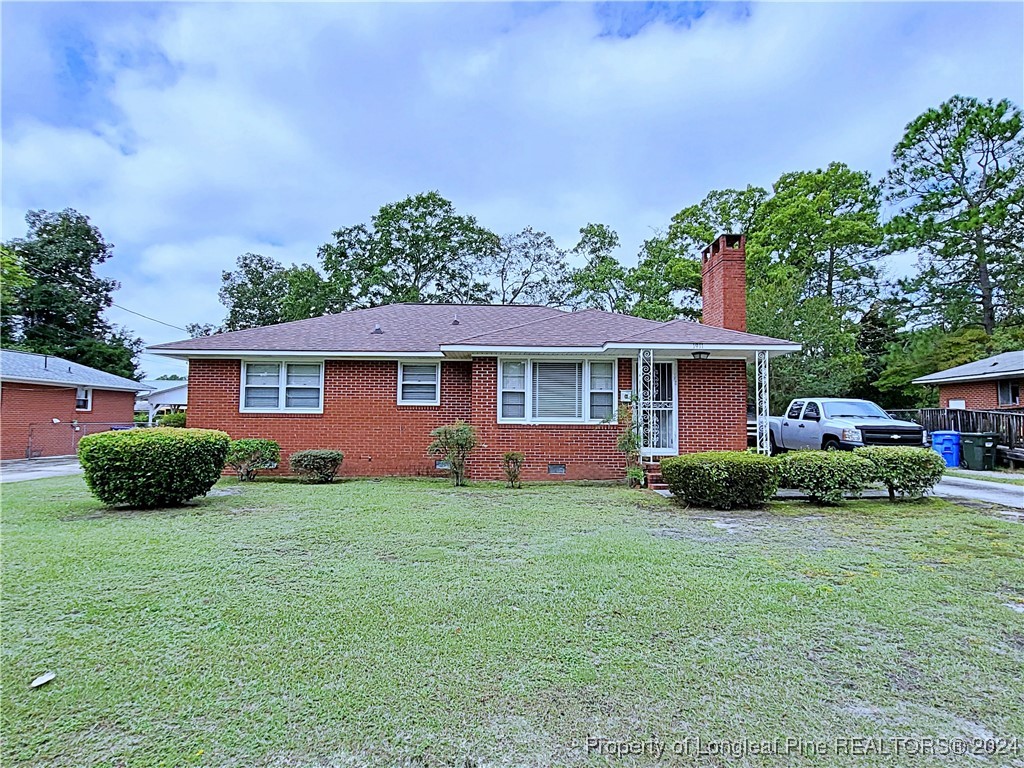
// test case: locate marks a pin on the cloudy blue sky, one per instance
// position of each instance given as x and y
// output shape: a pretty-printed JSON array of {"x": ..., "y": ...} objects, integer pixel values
[{"x": 193, "y": 133}]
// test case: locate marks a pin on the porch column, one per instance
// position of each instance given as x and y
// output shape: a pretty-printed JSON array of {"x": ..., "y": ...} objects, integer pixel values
[
  {"x": 764, "y": 443},
  {"x": 643, "y": 412}
]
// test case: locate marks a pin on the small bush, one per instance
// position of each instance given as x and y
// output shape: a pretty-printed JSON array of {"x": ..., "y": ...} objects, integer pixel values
[
  {"x": 905, "y": 471},
  {"x": 512, "y": 464},
  {"x": 722, "y": 479},
  {"x": 454, "y": 442},
  {"x": 826, "y": 476},
  {"x": 173, "y": 420},
  {"x": 157, "y": 467},
  {"x": 634, "y": 476},
  {"x": 249, "y": 455},
  {"x": 316, "y": 466}
]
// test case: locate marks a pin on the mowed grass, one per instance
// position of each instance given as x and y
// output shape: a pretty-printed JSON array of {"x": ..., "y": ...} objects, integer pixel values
[{"x": 405, "y": 622}]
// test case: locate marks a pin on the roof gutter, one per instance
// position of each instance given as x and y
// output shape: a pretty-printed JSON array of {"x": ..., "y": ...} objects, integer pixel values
[
  {"x": 968, "y": 379},
  {"x": 232, "y": 354},
  {"x": 84, "y": 385}
]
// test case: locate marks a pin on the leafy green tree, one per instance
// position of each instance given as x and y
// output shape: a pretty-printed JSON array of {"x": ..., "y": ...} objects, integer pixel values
[
  {"x": 171, "y": 377},
  {"x": 825, "y": 224},
  {"x": 13, "y": 278},
  {"x": 60, "y": 312},
  {"x": 664, "y": 284},
  {"x": 957, "y": 172},
  {"x": 254, "y": 293},
  {"x": 260, "y": 291},
  {"x": 829, "y": 363},
  {"x": 722, "y": 211},
  {"x": 601, "y": 282},
  {"x": 529, "y": 268},
  {"x": 415, "y": 250}
]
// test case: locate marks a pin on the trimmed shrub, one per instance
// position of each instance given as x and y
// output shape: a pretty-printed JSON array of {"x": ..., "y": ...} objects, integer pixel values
[
  {"x": 249, "y": 455},
  {"x": 316, "y": 466},
  {"x": 827, "y": 476},
  {"x": 722, "y": 479},
  {"x": 454, "y": 442},
  {"x": 173, "y": 420},
  {"x": 512, "y": 464},
  {"x": 905, "y": 471},
  {"x": 158, "y": 467}
]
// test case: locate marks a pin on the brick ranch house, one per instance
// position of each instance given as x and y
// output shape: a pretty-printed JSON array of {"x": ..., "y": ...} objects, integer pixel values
[
  {"x": 47, "y": 403},
  {"x": 986, "y": 385},
  {"x": 374, "y": 382}
]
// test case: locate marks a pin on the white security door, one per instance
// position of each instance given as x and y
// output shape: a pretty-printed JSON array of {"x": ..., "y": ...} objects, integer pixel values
[{"x": 657, "y": 408}]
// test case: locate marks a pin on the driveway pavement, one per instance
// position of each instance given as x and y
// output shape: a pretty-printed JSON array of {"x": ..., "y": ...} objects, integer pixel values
[
  {"x": 16, "y": 470},
  {"x": 1004, "y": 494}
]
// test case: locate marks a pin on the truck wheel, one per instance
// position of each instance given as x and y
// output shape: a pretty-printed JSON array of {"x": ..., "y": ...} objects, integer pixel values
[
  {"x": 831, "y": 444},
  {"x": 775, "y": 450}
]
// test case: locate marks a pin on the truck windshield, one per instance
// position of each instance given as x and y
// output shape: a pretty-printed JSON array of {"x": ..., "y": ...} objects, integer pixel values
[{"x": 859, "y": 409}]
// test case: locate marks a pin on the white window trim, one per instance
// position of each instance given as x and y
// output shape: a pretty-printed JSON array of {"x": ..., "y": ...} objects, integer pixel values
[
  {"x": 282, "y": 384},
  {"x": 437, "y": 382},
  {"x": 529, "y": 418},
  {"x": 88, "y": 399}
]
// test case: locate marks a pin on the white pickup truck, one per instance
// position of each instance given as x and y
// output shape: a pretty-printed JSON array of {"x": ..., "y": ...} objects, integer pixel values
[{"x": 832, "y": 423}]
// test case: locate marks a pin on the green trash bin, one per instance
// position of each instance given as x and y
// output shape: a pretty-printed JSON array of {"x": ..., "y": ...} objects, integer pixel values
[{"x": 978, "y": 450}]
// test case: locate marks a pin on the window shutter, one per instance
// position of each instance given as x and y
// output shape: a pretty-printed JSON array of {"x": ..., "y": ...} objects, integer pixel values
[{"x": 557, "y": 390}]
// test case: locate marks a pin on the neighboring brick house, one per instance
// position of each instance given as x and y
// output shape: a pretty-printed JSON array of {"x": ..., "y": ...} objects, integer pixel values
[
  {"x": 47, "y": 404},
  {"x": 374, "y": 382},
  {"x": 986, "y": 385}
]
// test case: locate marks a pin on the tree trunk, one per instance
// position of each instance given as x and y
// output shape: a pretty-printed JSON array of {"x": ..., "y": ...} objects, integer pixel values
[
  {"x": 831, "y": 273},
  {"x": 988, "y": 312}
]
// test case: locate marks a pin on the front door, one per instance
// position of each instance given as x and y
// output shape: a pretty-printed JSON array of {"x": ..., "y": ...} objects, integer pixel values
[{"x": 657, "y": 413}]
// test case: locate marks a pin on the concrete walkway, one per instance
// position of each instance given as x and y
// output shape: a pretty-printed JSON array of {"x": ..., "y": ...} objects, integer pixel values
[{"x": 16, "y": 470}]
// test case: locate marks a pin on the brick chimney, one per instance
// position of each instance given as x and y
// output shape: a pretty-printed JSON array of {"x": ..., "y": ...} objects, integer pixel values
[{"x": 724, "y": 283}]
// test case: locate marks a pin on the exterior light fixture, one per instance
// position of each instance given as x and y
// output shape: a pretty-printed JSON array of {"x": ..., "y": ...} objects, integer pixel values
[{"x": 700, "y": 355}]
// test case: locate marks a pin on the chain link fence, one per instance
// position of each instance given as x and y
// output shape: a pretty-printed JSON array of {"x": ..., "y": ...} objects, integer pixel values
[{"x": 45, "y": 438}]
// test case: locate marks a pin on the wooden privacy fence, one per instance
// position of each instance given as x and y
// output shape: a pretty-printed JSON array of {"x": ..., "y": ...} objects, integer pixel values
[{"x": 1008, "y": 425}]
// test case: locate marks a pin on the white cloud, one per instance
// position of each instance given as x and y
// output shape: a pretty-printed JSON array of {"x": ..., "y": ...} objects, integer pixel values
[{"x": 202, "y": 131}]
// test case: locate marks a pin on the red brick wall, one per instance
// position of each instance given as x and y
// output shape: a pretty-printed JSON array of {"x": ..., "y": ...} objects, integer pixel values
[
  {"x": 587, "y": 450},
  {"x": 27, "y": 411},
  {"x": 712, "y": 405},
  {"x": 379, "y": 437},
  {"x": 361, "y": 415},
  {"x": 978, "y": 395},
  {"x": 724, "y": 285}
]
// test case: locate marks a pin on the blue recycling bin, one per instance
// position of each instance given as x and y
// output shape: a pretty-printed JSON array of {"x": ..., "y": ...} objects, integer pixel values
[{"x": 947, "y": 445}]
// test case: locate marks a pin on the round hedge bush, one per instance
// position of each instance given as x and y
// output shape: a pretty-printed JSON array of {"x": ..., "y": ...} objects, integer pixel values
[
  {"x": 159, "y": 467},
  {"x": 317, "y": 466},
  {"x": 905, "y": 471},
  {"x": 722, "y": 479},
  {"x": 248, "y": 456},
  {"x": 827, "y": 476}
]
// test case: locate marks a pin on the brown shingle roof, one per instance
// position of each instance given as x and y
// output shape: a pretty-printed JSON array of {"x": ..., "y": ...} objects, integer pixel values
[
  {"x": 404, "y": 328},
  {"x": 427, "y": 328}
]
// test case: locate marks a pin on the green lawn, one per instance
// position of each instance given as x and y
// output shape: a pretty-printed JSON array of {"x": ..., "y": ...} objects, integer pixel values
[{"x": 406, "y": 622}]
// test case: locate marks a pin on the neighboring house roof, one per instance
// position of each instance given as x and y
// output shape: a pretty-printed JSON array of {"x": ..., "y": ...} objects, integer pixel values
[
  {"x": 30, "y": 368},
  {"x": 158, "y": 386},
  {"x": 1004, "y": 366},
  {"x": 433, "y": 329},
  {"x": 165, "y": 392}
]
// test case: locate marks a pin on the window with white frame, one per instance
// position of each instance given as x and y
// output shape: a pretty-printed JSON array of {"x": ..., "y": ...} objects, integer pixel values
[
  {"x": 556, "y": 390},
  {"x": 281, "y": 386},
  {"x": 419, "y": 383},
  {"x": 602, "y": 389},
  {"x": 513, "y": 389},
  {"x": 83, "y": 399}
]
